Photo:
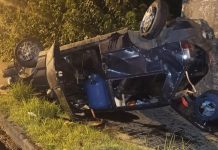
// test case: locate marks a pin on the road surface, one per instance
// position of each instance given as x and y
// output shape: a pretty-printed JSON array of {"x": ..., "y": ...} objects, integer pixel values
[{"x": 151, "y": 127}]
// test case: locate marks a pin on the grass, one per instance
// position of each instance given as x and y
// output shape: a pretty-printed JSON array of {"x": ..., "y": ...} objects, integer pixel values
[
  {"x": 42, "y": 122},
  {"x": 170, "y": 144},
  {"x": 20, "y": 91}
]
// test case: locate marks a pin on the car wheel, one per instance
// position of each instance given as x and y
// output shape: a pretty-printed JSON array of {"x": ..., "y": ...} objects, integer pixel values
[
  {"x": 27, "y": 51},
  {"x": 206, "y": 106},
  {"x": 154, "y": 19}
]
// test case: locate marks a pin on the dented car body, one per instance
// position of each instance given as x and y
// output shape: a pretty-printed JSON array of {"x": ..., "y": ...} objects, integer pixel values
[
  {"x": 126, "y": 70},
  {"x": 132, "y": 68}
]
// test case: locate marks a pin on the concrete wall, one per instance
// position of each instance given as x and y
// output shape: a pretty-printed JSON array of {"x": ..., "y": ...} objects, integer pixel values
[
  {"x": 204, "y": 9},
  {"x": 207, "y": 10}
]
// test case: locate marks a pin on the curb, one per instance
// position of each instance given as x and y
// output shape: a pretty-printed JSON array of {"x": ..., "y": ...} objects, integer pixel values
[{"x": 17, "y": 134}]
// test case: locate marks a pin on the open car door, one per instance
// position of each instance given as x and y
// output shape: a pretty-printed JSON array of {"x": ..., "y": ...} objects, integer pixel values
[{"x": 54, "y": 73}]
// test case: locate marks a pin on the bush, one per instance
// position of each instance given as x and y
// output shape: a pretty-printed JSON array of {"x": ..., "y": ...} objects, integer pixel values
[{"x": 64, "y": 20}]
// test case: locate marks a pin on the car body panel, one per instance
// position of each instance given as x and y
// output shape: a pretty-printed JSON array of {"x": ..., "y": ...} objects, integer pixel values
[
  {"x": 122, "y": 58},
  {"x": 53, "y": 77},
  {"x": 138, "y": 72}
]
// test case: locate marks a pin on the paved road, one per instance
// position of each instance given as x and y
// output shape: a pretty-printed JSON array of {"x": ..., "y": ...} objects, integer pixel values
[{"x": 151, "y": 127}]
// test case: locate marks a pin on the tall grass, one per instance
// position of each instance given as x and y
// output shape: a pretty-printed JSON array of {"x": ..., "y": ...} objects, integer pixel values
[{"x": 21, "y": 91}]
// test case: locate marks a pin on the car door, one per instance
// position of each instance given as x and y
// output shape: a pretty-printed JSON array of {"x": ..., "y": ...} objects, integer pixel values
[{"x": 53, "y": 73}]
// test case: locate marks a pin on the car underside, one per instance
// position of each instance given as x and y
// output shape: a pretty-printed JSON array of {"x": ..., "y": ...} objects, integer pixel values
[{"x": 125, "y": 70}]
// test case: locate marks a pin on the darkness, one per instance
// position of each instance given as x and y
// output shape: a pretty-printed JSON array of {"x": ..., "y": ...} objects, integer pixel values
[
  {"x": 2, "y": 146},
  {"x": 175, "y": 7}
]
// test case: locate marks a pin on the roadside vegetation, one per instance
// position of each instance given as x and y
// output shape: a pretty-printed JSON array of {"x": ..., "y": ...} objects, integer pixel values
[
  {"x": 48, "y": 125},
  {"x": 64, "y": 20}
]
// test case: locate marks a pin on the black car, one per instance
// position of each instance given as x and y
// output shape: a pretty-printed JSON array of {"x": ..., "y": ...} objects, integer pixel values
[{"x": 156, "y": 66}]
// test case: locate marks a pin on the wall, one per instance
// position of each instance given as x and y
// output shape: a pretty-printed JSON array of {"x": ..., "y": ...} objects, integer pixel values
[{"x": 207, "y": 10}]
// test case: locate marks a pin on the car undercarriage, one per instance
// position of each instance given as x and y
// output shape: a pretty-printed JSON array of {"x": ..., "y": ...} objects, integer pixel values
[{"x": 125, "y": 70}]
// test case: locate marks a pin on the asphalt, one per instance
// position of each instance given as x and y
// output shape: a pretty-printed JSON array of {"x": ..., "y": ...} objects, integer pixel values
[{"x": 152, "y": 127}]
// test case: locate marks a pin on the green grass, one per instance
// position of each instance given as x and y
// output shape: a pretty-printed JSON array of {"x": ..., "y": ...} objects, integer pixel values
[
  {"x": 42, "y": 122},
  {"x": 21, "y": 91}
]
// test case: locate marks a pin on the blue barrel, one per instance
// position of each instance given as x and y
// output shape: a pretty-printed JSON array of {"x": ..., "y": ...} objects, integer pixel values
[{"x": 97, "y": 93}]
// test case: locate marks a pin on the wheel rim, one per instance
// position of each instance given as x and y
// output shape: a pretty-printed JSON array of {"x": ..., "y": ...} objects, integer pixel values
[
  {"x": 207, "y": 108},
  {"x": 148, "y": 19},
  {"x": 28, "y": 50}
]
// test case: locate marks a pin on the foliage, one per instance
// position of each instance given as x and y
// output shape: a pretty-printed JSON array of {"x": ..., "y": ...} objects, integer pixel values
[{"x": 64, "y": 20}]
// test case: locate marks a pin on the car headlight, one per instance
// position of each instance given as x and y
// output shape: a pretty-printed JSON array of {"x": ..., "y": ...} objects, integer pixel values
[{"x": 186, "y": 47}]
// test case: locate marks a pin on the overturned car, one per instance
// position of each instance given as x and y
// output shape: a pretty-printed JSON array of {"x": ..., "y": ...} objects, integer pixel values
[{"x": 126, "y": 70}]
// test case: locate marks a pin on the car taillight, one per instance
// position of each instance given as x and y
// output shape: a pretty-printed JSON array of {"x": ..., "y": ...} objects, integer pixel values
[
  {"x": 186, "y": 47},
  {"x": 184, "y": 102}
]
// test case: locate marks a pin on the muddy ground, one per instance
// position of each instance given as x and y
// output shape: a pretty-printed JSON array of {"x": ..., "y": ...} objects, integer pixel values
[{"x": 146, "y": 128}]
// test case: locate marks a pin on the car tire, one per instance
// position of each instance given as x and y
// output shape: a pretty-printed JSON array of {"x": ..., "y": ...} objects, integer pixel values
[
  {"x": 27, "y": 51},
  {"x": 158, "y": 12},
  {"x": 209, "y": 97}
]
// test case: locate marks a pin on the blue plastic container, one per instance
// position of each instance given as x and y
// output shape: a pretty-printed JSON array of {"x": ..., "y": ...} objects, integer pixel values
[{"x": 97, "y": 93}]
